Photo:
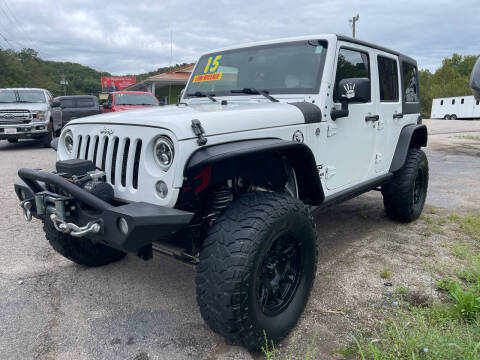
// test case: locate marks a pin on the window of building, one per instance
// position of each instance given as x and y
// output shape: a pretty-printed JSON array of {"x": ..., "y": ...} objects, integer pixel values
[
  {"x": 351, "y": 64},
  {"x": 410, "y": 83},
  {"x": 388, "y": 76}
]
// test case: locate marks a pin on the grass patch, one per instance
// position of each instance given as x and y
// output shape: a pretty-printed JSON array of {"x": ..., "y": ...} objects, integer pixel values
[
  {"x": 386, "y": 273},
  {"x": 468, "y": 137},
  {"x": 471, "y": 225}
]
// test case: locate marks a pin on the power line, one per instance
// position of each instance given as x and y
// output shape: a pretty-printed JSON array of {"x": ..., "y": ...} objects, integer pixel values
[{"x": 13, "y": 19}]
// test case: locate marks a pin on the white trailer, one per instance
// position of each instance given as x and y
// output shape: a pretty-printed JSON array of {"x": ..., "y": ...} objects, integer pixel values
[{"x": 452, "y": 108}]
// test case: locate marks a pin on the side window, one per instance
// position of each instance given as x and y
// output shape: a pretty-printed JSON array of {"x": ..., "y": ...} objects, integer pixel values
[
  {"x": 388, "y": 76},
  {"x": 453, "y": 102},
  {"x": 463, "y": 101},
  {"x": 410, "y": 83},
  {"x": 85, "y": 103},
  {"x": 441, "y": 102},
  {"x": 67, "y": 103},
  {"x": 351, "y": 64}
]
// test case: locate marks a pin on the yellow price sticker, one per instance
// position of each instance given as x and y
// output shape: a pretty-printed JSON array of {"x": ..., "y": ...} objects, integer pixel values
[
  {"x": 212, "y": 64},
  {"x": 207, "y": 77}
]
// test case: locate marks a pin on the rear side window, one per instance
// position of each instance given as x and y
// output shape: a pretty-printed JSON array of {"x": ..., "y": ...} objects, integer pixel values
[
  {"x": 410, "y": 83},
  {"x": 85, "y": 103},
  {"x": 441, "y": 102},
  {"x": 67, "y": 103},
  {"x": 351, "y": 64},
  {"x": 388, "y": 76},
  {"x": 453, "y": 102},
  {"x": 463, "y": 101}
]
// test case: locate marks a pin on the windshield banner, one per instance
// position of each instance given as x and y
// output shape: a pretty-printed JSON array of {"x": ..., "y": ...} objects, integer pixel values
[{"x": 116, "y": 83}]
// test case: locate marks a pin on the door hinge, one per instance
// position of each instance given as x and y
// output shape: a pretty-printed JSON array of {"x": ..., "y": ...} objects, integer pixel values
[
  {"x": 330, "y": 171},
  {"x": 331, "y": 130}
]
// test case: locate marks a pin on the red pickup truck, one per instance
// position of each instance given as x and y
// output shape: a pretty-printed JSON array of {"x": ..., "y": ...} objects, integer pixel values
[{"x": 128, "y": 100}]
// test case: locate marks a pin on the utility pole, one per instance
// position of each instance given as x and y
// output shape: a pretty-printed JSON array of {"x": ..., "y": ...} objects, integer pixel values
[
  {"x": 64, "y": 83},
  {"x": 354, "y": 20}
]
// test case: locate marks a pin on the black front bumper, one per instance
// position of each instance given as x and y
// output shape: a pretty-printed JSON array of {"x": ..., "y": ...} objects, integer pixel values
[{"x": 146, "y": 222}]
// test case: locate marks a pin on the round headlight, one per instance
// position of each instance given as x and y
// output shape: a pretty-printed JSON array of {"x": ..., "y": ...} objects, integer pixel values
[
  {"x": 68, "y": 140},
  {"x": 163, "y": 152}
]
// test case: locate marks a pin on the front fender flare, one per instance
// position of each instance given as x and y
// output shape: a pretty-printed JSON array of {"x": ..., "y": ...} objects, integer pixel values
[{"x": 299, "y": 156}]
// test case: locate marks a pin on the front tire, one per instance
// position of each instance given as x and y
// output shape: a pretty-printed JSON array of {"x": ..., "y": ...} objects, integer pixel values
[
  {"x": 80, "y": 250},
  {"x": 453, "y": 117},
  {"x": 47, "y": 139},
  {"x": 257, "y": 267},
  {"x": 446, "y": 117},
  {"x": 404, "y": 197}
]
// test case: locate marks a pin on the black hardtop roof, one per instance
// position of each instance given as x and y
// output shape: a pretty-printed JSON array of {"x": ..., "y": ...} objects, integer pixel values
[{"x": 378, "y": 47}]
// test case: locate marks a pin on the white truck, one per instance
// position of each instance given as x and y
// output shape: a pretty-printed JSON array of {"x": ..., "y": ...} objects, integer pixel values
[
  {"x": 25, "y": 113},
  {"x": 226, "y": 179},
  {"x": 453, "y": 108}
]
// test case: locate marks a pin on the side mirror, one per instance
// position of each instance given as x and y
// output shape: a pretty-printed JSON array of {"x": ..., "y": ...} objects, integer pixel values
[
  {"x": 54, "y": 144},
  {"x": 475, "y": 80},
  {"x": 56, "y": 104},
  {"x": 352, "y": 90}
]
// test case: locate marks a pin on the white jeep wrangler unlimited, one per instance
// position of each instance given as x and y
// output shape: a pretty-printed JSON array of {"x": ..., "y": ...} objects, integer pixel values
[{"x": 226, "y": 178}]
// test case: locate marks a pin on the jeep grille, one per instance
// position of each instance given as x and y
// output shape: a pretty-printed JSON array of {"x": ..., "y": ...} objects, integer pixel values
[{"x": 118, "y": 157}]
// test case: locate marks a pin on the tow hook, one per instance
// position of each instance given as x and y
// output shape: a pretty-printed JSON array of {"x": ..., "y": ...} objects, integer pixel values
[
  {"x": 26, "y": 206},
  {"x": 75, "y": 230}
]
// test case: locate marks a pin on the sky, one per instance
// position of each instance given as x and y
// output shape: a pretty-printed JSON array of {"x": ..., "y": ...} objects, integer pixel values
[{"x": 131, "y": 37}]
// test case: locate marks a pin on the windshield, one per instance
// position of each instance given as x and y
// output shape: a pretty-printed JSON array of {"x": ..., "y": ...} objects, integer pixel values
[
  {"x": 31, "y": 96},
  {"x": 135, "y": 99},
  {"x": 7, "y": 96},
  {"x": 287, "y": 68}
]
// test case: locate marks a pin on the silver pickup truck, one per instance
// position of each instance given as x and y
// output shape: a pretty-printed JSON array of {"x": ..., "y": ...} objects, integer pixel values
[{"x": 25, "y": 113}]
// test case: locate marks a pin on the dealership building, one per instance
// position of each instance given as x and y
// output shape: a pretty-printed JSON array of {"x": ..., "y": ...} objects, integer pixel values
[{"x": 166, "y": 86}]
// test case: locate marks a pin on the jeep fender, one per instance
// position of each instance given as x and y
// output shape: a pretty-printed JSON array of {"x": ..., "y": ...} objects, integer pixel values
[
  {"x": 238, "y": 153},
  {"x": 412, "y": 135}
]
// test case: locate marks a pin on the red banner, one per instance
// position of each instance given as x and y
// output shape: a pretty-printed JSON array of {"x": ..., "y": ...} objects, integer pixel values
[{"x": 116, "y": 83}]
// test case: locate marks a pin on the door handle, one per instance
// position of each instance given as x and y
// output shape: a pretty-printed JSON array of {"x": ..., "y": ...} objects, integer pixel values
[
  {"x": 372, "y": 118},
  {"x": 398, "y": 116}
]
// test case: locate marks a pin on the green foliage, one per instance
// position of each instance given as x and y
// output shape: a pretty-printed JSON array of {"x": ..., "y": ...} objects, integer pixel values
[
  {"x": 26, "y": 69},
  {"x": 451, "y": 79}
]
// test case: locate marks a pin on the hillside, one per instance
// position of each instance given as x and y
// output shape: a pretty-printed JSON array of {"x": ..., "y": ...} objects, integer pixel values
[{"x": 26, "y": 69}]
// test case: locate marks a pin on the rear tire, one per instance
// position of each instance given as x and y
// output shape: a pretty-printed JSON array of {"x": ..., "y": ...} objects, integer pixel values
[
  {"x": 453, "y": 117},
  {"x": 446, "y": 117},
  {"x": 80, "y": 250},
  {"x": 404, "y": 197},
  {"x": 257, "y": 267}
]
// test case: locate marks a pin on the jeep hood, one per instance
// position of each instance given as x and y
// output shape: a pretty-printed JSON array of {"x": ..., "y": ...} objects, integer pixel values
[
  {"x": 24, "y": 106},
  {"x": 215, "y": 118}
]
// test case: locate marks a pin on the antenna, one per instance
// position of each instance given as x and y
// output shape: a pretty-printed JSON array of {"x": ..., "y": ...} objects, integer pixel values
[
  {"x": 354, "y": 20},
  {"x": 171, "y": 59}
]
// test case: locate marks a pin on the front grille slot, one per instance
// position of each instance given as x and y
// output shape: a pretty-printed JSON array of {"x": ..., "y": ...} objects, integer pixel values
[
  {"x": 114, "y": 161},
  {"x": 124, "y": 162},
  {"x": 104, "y": 155},
  {"x": 95, "y": 150},
  {"x": 79, "y": 147},
  {"x": 87, "y": 146},
  {"x": 136, "y": 164}
]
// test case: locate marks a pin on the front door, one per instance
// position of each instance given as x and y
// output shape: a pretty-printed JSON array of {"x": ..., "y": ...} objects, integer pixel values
[
  {"x": 350, "y": 140},
  {"x": 389, "y": 109}
]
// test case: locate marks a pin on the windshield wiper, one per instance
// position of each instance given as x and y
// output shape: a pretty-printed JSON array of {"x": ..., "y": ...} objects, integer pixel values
[
  {"x": 203, "y": 94},
  {"x": 253, "y": 91}
]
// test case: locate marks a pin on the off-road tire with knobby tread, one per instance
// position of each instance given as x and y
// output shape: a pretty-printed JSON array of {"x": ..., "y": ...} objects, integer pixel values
[
  {"x": 231, "y": 260},
  {"x": 399, "y": 194},
  {"x": 80, "y": 250}
]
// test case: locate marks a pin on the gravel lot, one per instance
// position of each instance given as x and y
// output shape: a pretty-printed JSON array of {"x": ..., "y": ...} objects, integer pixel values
[{"x": 53, "y": 309}]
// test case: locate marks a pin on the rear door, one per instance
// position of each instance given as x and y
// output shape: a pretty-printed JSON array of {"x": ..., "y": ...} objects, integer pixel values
[
  {"x": 350, "y": 142},
  {"x": 389, "y": 106},
  {"x": 67, "y": 110}
]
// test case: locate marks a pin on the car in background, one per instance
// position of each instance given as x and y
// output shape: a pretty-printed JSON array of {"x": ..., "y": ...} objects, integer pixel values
[
  {"x": 128, "y": 100},
  {"x": 25, "y": 113},
  {"x": 66, "y": 108}
]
